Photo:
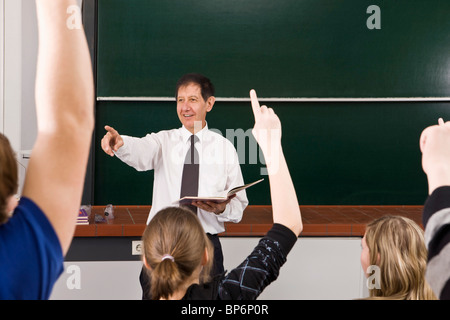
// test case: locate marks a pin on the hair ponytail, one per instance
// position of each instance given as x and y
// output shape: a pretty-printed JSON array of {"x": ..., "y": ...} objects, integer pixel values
[
  {"x": 174, "y": 243},
  {"x": 165, "y": 279}
]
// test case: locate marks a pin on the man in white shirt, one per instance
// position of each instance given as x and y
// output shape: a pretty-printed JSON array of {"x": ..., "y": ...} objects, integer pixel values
[{"x": 165, "y": 152}]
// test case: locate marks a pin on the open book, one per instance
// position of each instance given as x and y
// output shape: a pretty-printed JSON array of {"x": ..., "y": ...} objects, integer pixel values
[{"x": 219, "y": 198}]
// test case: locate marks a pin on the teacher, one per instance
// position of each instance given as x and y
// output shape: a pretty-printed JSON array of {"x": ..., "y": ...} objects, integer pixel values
[{"x": 188, "y": 161}]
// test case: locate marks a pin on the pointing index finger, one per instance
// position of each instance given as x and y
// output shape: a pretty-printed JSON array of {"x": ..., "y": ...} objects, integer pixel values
[
  {"x": 255, "y": 103},
  {"x": 110, "y": 129}
]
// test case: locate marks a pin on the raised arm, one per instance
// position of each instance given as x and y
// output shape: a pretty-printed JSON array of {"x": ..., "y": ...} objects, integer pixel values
[
  {"x": 64, "y": 107},
  {"x": 435, "y": 147},
  {"x": 267, "y": 132}
]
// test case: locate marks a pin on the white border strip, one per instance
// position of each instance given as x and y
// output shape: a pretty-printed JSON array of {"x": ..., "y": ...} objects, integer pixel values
[
  {"x": 2, "y": 63},
  {"x": 12, "y": 72},
  {"x": 231, "y": 99}
]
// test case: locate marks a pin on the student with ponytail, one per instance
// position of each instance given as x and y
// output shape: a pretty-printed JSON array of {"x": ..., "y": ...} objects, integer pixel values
[
  {"x": 177, "y": 253},
  {"x": 175, "y": 236}
]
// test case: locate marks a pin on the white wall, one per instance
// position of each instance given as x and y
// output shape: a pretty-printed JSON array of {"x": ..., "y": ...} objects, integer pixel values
[
  {"x": 19, "y": 53},
  {"x": 12, "y": 48},
  {"x": 28, "y": 123},
  {"x": 316, "y": 269},
  {"x": 2, "y": 61}
]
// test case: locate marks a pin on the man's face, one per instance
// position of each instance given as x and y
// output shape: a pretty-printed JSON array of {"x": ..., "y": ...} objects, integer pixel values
[{"x": 191, "y": 107}]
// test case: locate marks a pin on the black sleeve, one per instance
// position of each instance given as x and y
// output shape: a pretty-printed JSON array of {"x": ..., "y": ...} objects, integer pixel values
[
  {"x": 436, "y": 220},
  {"x": 284, "y": 236},
  {"x": 260, "y": 268},
  {"x": 438, "y": 200}
]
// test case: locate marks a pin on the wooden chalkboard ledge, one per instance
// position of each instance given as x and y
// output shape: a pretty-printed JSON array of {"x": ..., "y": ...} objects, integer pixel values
[{"x": 318, "y": 221}]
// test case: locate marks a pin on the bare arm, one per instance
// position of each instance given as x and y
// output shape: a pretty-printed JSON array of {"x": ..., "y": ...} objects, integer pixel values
[
  {"x": 435, "y": 147},
  {"x": 64, "y": 107},
  {"x": 267, "y": 132}
]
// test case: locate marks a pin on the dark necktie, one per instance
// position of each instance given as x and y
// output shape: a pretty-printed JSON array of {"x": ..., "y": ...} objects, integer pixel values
[{"x": 189, "y": 180}]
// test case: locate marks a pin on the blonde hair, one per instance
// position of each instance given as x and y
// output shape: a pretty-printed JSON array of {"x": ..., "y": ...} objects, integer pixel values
[
  {"x": 176, "y": 233},
  {"x": 8, "y": 176},
  {"x": 396, "y": 245}
]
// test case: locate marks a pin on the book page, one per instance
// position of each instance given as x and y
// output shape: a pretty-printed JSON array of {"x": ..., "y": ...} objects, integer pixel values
[{"x": 189, "y": 199}]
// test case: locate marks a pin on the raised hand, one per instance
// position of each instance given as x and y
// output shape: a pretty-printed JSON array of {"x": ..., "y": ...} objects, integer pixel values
[
  {"x": 435, "y": 147},
  {"x": 267, "y": 130},
  {"x": 111, "y": 141}
]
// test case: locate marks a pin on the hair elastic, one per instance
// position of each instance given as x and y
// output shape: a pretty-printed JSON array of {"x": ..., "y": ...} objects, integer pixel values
[{"x": 167, "y": 256}]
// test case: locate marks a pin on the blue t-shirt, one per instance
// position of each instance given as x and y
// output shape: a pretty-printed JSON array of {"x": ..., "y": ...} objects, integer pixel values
[{"x": 31, "y": 258}]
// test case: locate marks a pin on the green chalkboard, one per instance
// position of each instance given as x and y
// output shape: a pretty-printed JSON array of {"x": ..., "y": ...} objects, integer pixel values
[
  {"x": 355, "y": 153},
  {"x": 286, "y": 48},
  {"x": 338, "y": 153}
]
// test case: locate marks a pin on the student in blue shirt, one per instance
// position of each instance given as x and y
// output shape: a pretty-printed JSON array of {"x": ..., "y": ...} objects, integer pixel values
[{"x": 36, "y": 235}]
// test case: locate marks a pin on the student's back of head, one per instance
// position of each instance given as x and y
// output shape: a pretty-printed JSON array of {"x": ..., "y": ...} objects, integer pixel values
[
  {"x": 174, "y": 251},
  {"x": 396, "y": 245}
]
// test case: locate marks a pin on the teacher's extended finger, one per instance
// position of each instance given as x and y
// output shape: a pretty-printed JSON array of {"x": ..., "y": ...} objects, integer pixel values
[{"x": 111, "y": 130}]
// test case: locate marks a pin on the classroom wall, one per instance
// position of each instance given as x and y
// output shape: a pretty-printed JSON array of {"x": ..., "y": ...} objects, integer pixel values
[
  {"x": 2, "y": 53},
  {"x": 13, "y": 24},
  {"x": 316, "y": 269},
  {"x": 11, "y": 68}
]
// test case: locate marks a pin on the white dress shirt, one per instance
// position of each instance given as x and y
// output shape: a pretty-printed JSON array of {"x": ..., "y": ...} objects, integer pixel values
[{"x": 165, "y": 152}]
